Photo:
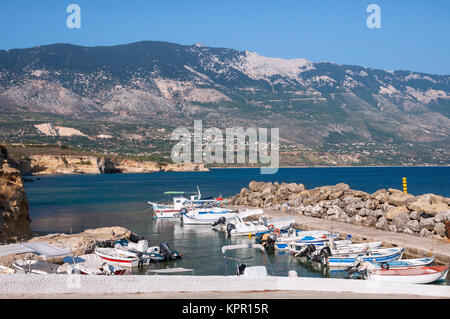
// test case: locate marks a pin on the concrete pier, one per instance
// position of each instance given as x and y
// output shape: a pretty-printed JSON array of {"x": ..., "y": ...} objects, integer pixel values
[{"x": 77, "y": 286}]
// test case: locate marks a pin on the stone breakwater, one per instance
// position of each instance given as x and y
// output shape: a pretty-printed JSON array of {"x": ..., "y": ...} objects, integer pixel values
[{"x": 391, "y": 210}]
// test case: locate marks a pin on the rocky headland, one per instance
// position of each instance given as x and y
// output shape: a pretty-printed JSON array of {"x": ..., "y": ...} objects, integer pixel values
[
  {"x": 391, "y": 210},
  {"x": 14, "y": 218},
  {"x": 83, "y": 164}
]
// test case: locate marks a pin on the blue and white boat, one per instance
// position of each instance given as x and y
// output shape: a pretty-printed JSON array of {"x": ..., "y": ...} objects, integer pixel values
[
  {"x": 207, "y": 216},
  {"x": 405, "y": 263},
  {"x": 375, "y": 256},
  {"x": 316, "y": 237}
]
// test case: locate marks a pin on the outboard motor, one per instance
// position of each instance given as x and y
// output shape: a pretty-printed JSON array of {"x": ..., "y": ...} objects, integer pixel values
[
  {"x": 221, "y": 220},
  {"x": 268, "y": 241},
  {"x": 353, "y": 267},
  {"x": 240, "y": 270},
  {"x": 107, "y": 270},
  {"x": 168, "y": 252},
  {"x": 307, "y": 250},
  {"x": 140, "y": 258},
  {"x": 321, "y": 255},
  {"x": 230, "y": 227}
]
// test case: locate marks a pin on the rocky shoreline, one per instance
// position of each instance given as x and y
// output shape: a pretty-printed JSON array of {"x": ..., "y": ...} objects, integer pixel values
[
  {"x": 14, "y": 218},
  {"x": 77, "y": 244},
  {"x": 391, "y": 210}
]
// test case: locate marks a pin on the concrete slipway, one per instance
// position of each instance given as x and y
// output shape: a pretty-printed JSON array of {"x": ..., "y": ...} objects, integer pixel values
[{"x": 40, "y": 286}]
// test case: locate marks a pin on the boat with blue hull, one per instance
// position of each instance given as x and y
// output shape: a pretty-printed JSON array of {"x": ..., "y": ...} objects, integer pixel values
[
  {"x": 375, "y": 256},
  {"x": 317, "y": 240}
]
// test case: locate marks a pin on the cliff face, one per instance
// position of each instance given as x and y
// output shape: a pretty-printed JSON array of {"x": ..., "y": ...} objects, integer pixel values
[
  {"x": 70, "y": 164},
  {"x": 14, "y": 218},
  {"x": 185, "y": 167}
]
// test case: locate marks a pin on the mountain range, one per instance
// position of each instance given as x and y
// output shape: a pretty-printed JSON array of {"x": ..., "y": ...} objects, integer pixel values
[{"x": 320, "y": 106}]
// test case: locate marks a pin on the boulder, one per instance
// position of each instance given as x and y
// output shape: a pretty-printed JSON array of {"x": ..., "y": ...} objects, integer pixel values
[
  {"x": 380, "y": 195},
  {"x": 442, "y": 216},
  {"x": 356, "y": 193},
  {"x": 400, "y": 221},
  {"x": 423, "y": 204},
  {"x": 415, "y": 215},
  {"x": 425, "y": 233},
  {"x": 395, "y": 211},
  {"x": 294, "y": 188},
  {"x": 257, "y": 186},
  {"x": 335, "y": 210},
  {"x": 413, "y": 225},
  {"x": 439, "y": 229},
  {"x": 427, "y": 223},
  {"x": 382, "y": 223},
  {"x": 369, "y": 221},
  {"x": 364, "y": 212},
  {"x": 371, "y": 204},
  {"x": 399, "y": 199},
  {"x": 336, "y": 195},
  {"x": 316, "y": 211}
]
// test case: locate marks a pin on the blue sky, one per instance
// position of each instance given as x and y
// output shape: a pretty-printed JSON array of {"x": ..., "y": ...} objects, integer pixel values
[{"x": 414, "y": 34}]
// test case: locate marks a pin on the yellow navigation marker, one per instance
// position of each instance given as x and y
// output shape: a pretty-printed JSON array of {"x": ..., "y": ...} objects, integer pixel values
[
  {"x": 405, "y": 187},
  {"x": 250, "y": 235}
]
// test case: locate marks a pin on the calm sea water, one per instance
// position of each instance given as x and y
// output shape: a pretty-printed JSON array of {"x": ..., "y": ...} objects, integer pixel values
[{"x": 68, "y": 203}]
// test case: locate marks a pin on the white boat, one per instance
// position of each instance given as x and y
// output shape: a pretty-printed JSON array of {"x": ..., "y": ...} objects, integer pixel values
[
  {"x": 240, "y": 226},
  {"x": 154, "y": 253},
  {"x": 405, "y": 263},
  {"x": 207, "y": 216},
  {"x": 318, "y": 238},
  {"x": 179, "y": 202},
  {"x": 242, "y": 268},
  {"x": 338, "y": 247},
  {"x": 359, "y": 266},
  {"x": 122, "y": 257},
  {"x": 418, "y": 275},
  {"x": 299, "y": 235},
  {"x": 90, "y": 264},
  {"x": 374, "y": 256},
  {"x": 35, "y": 266}
]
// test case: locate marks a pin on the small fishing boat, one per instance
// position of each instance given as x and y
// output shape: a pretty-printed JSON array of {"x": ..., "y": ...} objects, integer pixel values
[
  {"x": 34, "y": 266},
  {"x": 90, "y": 264},
  {"x": 207, "y": 215},
  {"x": 318, "y": 239},
  {"x": 155, "y": 253},
  {"x": 240, "y": 225},
  {"x": 242, "y": 268},
  {"x": 359, "y": 266},
  {"x": 179, "y": 202},
  {"x": 123, "y": 257},
  {"x": 416, "y": 275},
  {"x": 374, "y": 256}
]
